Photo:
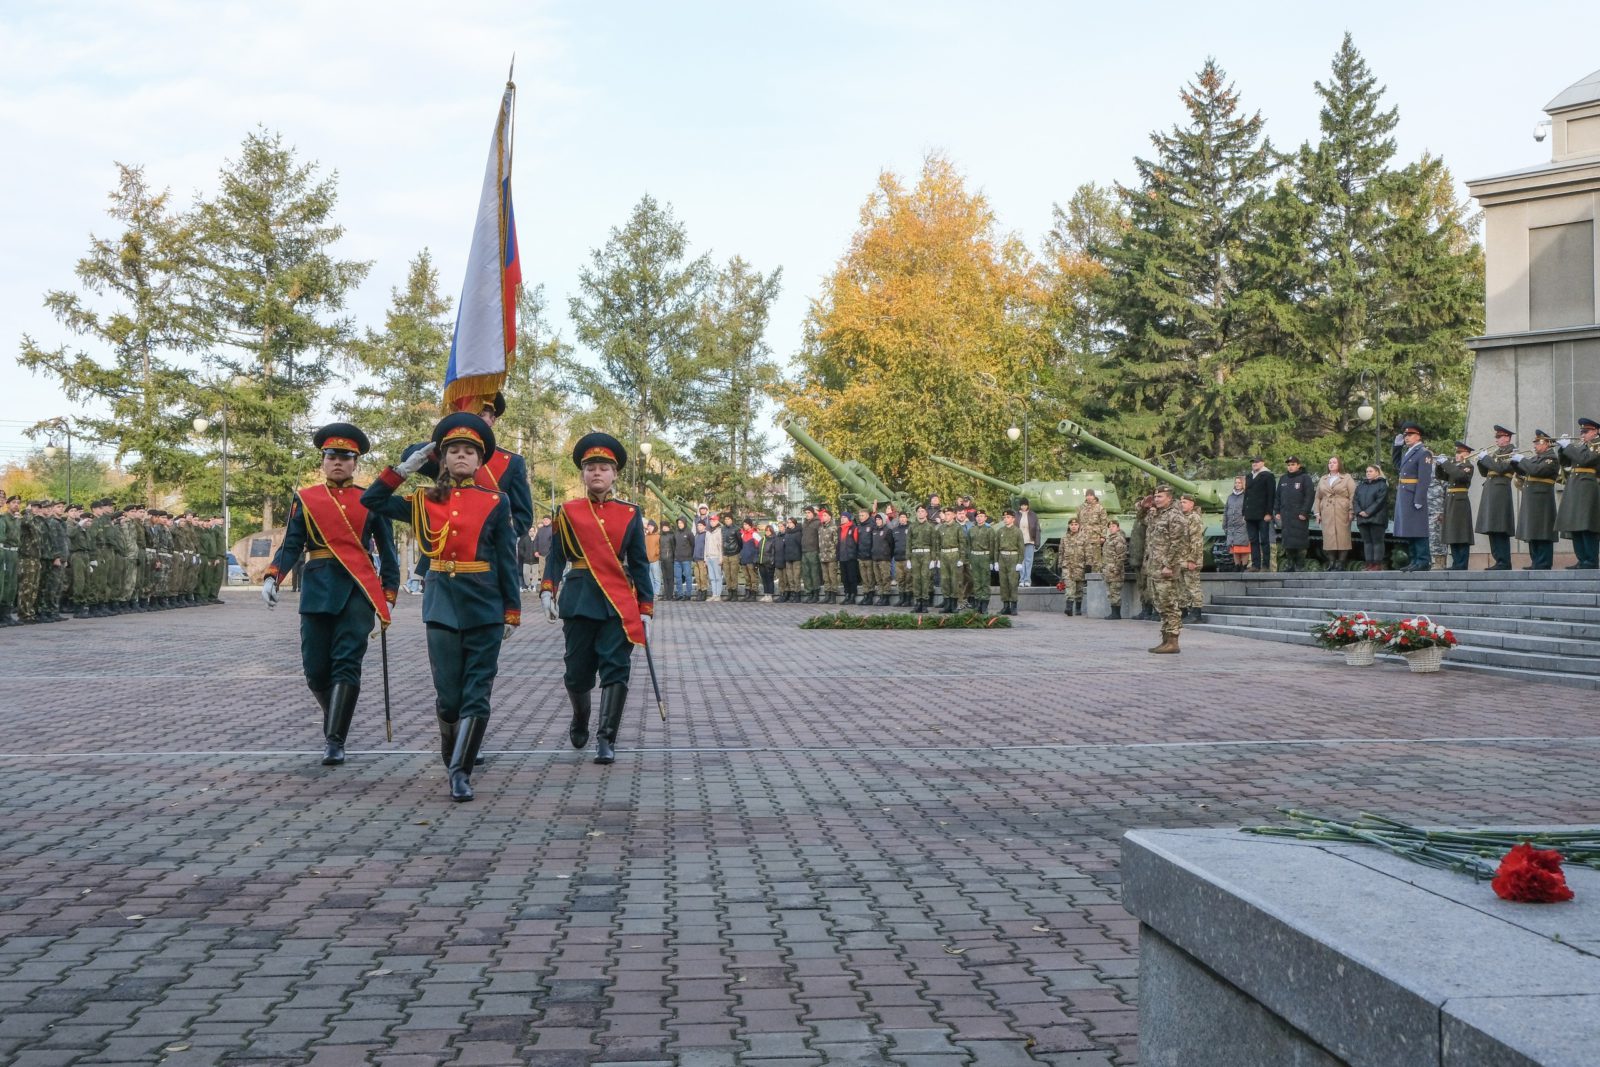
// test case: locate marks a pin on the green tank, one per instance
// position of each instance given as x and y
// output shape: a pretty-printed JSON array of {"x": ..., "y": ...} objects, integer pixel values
[
  {"x": 862, "y": 488},
  {"x": 672, "y": 509}
]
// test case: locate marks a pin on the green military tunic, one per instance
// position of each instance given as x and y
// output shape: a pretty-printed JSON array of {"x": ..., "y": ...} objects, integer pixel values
[
  {"x": 1008, "y": 554},
  {"x": 922, "y": 542},
  {"x": 1580, "y": 500},
  {"x": 1457, "y": 478},
  {"x": 982, "y": 555}
]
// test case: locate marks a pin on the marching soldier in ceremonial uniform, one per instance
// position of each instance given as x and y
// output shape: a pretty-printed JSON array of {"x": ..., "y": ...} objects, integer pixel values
[
  {"x": 1113, "y": 564},
  {"x": 340, "y": 590},
  {"x": 921, "y": 542},
  {"x": 606, "y": 603},
  {"x": 1496, "y": 515},
  {"x": 982, "y": 554},
  {"x": 1194, "y": 559},
  {"x": 952, "y": 558},
  {"x": 1008, "y": 553},
  {"x": 1579, "y": 517},
  {"x": 1074, "y": 547},
  {"x": 1415, "y": 464},
  {"x": 1536, "y": 517},
  {"x": 1167, "y": 537},
  {"x": 472, "y": 596},
  {"x": 1456, "y": 474}
]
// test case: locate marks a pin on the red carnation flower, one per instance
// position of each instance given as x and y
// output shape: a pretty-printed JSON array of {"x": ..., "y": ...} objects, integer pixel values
[
  {"x": 1531, "y": 876},
  {"x": 1061, "y": 587}
]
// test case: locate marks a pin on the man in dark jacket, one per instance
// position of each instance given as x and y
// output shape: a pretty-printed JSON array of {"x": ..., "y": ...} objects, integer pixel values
[
  {"x": 1297, "y": 492},
  {"x": 1456, "y": 474},
  {"x": 1497, "y": 515},
  {"x": 732, "y": 543},
  {"x": 669, "y": 573},
  {"x": 1260, "y": 497},
  {"x": 901, "y": 535},
  {"x": 866, "y": 531},
  {"x": 849, "y": 568},
  {"x": 792, "y": 557},
  {"x": 882, "y": 554},
  {"x": 811, "y": 555}
]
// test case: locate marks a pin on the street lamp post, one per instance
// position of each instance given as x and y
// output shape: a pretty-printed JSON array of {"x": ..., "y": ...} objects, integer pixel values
[
  {"x": 1015, "y": 432},
  {"x": 50, "y": 449},
  {"x": 1371, "y": 410}
]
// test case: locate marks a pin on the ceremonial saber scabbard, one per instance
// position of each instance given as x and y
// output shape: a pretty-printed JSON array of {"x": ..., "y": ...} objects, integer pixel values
[
  {"x": 383, "y": 643},
  {"x": 651, "y": 663}
]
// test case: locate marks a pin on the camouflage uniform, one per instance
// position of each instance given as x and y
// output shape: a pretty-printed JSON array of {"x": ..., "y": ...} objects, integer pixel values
[
  {"x": 130, "y": 552},
  {"x": 1167, "y": 538},
  {"x": 1113, "y": 564},
  {"x": 31, "y": 548},
  {"x": 1436, "y": 544},
  {"x": 1139, "y": 555},
  {"x": 828, "y": 549},
  {"x": 1092, "y": 520},
  {"x": 1075, "y": 561},
  {"x": 10, "y": 530},
  {"x": 1196, "y": 554}
]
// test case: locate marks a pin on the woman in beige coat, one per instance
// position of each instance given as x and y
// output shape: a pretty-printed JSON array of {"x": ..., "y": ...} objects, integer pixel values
[{"x": 1335, "y": 491}]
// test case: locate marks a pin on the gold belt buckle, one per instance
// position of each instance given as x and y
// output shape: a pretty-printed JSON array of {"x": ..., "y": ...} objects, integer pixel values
[{"x": 450, "y": 567}]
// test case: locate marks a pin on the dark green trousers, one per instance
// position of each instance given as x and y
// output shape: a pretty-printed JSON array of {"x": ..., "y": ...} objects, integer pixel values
[
  {"x": 596, "y": 647},
  {"x": 464, "y": 664},
  {"x": 332, "y": 646}
]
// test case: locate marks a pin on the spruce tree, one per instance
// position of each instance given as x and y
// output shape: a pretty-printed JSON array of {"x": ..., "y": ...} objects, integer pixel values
[{"x": 1177, "y": 280}]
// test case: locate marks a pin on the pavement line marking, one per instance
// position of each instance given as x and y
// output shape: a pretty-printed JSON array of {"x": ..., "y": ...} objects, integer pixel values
[{"x": 1084, "y": 747}]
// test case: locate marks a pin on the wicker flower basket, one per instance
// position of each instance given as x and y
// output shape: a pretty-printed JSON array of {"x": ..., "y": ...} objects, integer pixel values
[
  {"x": 1425, "y": 660},
  {"x": 1360, "y": 654}
]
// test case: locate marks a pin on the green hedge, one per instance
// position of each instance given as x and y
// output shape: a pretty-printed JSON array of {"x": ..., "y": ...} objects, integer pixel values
[{"x": 961, "y": 620}]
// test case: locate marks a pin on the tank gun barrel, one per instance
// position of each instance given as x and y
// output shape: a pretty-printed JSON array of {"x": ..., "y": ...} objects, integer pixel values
[
  {"x": 672, "y": 507},
  {"x": 861, "y": 485},
  {"x": 1014, "y": 490},
  {"x": 1201, "y": 494}
]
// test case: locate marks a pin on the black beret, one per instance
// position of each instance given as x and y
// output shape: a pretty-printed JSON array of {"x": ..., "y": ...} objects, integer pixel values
[
  {"x": 342, "y": 437},
  {"x": 598, "y": 445}
]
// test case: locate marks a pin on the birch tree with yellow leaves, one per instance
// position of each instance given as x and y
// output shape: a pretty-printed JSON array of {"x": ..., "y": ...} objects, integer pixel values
[{"x": 926, "y": 339}]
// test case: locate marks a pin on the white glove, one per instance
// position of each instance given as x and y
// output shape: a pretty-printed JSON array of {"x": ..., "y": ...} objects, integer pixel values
[
  {"x": 1399, "y": 438},
  {"x": 1019, "y": 568},
  {"x": 1563, "y": 440},
  {"x": 958, "y": 563},
  {"x": 509, "y": 631},
  {"x": 1483, "y": 453},
  {"x": 1516, "y": 457},
  {"x": 548, "y": 601},
  {"x": 269, "y": 591},
  {"x": 413, "y": 463},
  {"x": 646, "y": 620}
]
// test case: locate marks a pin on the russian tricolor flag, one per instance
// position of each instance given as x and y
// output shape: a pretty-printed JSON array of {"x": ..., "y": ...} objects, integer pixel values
[{"x": 485, "y": 342}]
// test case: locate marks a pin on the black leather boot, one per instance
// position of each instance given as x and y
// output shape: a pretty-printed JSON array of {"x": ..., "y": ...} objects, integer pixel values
[
  {"x": 469, "y": 738},
  {"x": 922, "y": 607},
  {"x": 1077, "y": 607},
  {"x": 613, "y": 698},
  {"x": 582, "y": 705},
  {"x": 833, "y": 597},
  {"x": 341, "y": 709},
  {"x": 1067, "y": 607},
  {"x": 447, "y": 738}
]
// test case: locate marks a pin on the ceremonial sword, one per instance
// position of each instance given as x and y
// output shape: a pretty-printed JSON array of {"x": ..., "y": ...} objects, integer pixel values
[
  {"x": 383, "y": 643},
  {"x": 651, "y": 663}
]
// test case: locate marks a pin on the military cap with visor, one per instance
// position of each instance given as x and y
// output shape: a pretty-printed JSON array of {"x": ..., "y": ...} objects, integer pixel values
[
  {"x": 464, "y": 426},
  {"x": 342, "y": 437},
  {"x": 599, "y": 445}
]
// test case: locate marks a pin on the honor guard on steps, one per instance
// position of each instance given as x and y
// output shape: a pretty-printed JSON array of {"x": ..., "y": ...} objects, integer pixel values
[
  {"x": 472, "y": 599},
  {"x": 605, "y": 601},
  {"x": 1579, "y": 517},
  {"x": 1415, "y": 465},
  {"x": 1536, "y": 518},
  {"x": 1497, "y": 518},
  {"x": 1456, "y": 474},
  {"x": 340, "y": 590}
]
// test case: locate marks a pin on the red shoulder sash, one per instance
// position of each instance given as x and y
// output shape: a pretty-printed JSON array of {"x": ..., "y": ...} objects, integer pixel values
[
  {"x": 490, "y": 473},
  {"x": 337, "y": 528},
  {"x": 601, "y": 555}
]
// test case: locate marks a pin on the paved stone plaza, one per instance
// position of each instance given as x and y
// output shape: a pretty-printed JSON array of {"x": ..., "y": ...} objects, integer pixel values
[{"x": 844, "y": 848}]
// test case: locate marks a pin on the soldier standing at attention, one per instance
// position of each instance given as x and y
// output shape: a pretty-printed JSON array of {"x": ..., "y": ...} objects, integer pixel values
[
  {"x": 882, "y": 557},
  {"x": 340, "y": 589},
  {"x": 828, "y": 550},
  {"x": 1194, "y": 559},
  {"x": 1496, "y": 515},
  {"x": 1074, "y": 546},
  {"x": 1456, "y": 474},
  {"x": 1536, "y": 518},
  {"x": 952, "y": 550},
  {"x": 10, "y": 532},
  {"x": 107, "y": 542},
  {"x": 982, "y": 556},
  {"x": 32, "y": 557},
  {"x": 1415, "y": 465},
  {"x": 1139, "y": 552},
  {"x": 472, "y": 598},
  {"x": 1579, "y": 517},
  {"x": 811, "y": 555},
  {"x": 605, "y": 598},
  {"x": 56, "y": 576},
  {"x": 1113, "y": 562},
  {"x": 81, "y": 554},
  {"x": 1092, "y": 519},
  {"x": 921, "y": 540},
  {"x": 1008, "y": 552},
  {"x": 1168, "y": 540}
]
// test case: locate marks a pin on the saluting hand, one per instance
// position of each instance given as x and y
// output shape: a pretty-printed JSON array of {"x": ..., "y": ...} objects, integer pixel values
[{"x": 414, "y": 462}]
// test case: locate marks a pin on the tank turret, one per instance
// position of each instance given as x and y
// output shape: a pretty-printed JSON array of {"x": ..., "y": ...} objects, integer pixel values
[
  {"x": 862, "y": 487},
  {"x": 1207, "y": 494},
  {"x": 1053, "y": 497}
]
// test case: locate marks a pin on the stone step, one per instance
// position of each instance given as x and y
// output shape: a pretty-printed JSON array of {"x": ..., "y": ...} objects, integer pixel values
[
  {"x": 1521, "y": 666},
  {"x": 1499, "y": 620},
  {"x": 1579, "y": 654},
  {"x": 1588, "y": 592},
  {"x": 1375, "y": 606}
]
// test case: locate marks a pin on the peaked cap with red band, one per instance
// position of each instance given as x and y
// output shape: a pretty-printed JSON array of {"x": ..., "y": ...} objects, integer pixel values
[
  {"x": 342, "y": 437},
  {"x": 464, "y": 426},
  {"x": 599, "y": 445}
]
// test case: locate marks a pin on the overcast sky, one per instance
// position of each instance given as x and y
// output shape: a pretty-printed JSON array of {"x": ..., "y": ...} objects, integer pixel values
[{"x": 763, "y": 125}]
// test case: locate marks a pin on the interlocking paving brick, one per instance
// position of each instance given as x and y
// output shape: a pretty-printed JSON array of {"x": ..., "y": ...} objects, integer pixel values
[{"x": 817, "y": 859}]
